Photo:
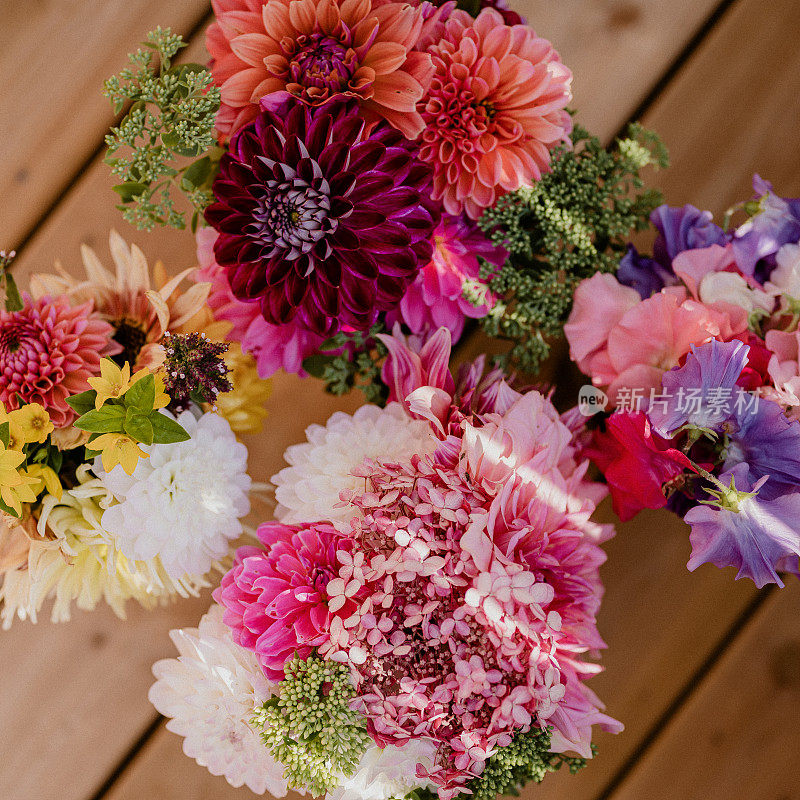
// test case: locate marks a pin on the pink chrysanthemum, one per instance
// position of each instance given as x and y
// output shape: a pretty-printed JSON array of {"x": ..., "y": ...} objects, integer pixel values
[
  {"x": 494, "y": 110},
  {"x": 316, "y": 51},
  {"x": 47, "y": 352},
  {"x": 273, "y": 347},
  {"x": 479, "y": 589},
  {"x": 275, "y": 599},
  {"x": 436, "y": 298}
]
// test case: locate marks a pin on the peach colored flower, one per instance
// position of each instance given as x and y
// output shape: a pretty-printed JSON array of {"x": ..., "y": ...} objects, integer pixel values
[
  {"x": 494, "y": 110},
  {"x": 139, "y": 308},
  {"x": 626, "y": 344},
  {"x": 316, "y": 51}
]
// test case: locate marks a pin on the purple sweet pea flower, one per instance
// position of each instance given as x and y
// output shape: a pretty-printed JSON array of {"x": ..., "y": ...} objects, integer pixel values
[
  {"x": 756, "y": 534},
  {"x": 776, "y": 224},
  {"x": 702, "y": 391},
  {"x": 679, "y": 229},
  {"x": 643, "y": 274},
  {"x": 767, "y": 442}
]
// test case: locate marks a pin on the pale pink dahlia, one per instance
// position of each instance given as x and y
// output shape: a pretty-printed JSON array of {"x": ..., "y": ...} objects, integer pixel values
[
  {"x": 275, "y": 599},
  {"x": 273, "y": 347},
  {"x": 436, "y": 298},
  {"x": 316, "y": 51},
  {"x": 476, "y": 573},
  {"x": 493, "y": 111},
  {"x": 47, "y": 352}
]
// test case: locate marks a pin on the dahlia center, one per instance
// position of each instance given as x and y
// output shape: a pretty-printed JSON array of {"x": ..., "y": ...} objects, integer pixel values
[
  {"x": 131, "y": 337},
  {"x": 322, "y": 62},
  {"x": 293, "y": 216}
]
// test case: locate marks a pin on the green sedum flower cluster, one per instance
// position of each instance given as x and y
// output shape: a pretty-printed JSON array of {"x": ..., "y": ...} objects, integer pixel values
[
  {"x": 171, "y": 118},
  {"x": 573, "y": 222},
  {"x": 310, "y": 727}
]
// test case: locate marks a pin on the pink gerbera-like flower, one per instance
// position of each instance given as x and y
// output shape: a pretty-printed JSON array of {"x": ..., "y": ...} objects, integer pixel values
[
  {"x": 319, "y": 50},
  {"x": 436, "y": 298},
  {"x": 275, "y": 599},
  {"x": 47, "y": 352},
  {"x": 494, "y": 110}
]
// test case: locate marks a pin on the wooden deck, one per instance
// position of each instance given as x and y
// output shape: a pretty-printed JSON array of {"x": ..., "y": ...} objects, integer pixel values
[{"x": 704, "y": 671}]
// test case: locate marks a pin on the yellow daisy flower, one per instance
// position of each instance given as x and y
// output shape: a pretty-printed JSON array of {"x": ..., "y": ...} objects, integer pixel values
[
  {"x": 31, "y": 423},
  {"x": 113, "y": 381},
  {"x": 15, "y": 488},
  {"x": 46, "y": 479},
  {"x": 117, "y": 448}
]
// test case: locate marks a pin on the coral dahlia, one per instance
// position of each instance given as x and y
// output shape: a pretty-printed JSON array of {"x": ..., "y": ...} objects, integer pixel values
[
  {"x": 319, "y": 221},
  {"x": 316, "y": 51},
  {"x": 48, "y": 350},
  {"x": 493, "y": 111}
]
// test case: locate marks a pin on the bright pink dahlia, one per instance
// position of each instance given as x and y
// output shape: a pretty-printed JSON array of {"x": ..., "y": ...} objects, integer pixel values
[
  {"x": 436, "y": 298},
  {"x": 274, "y": 347},
  {"x": 275, "y": 599},
  {"x": 316, "y": 50},
  {"x": 47, "y": 352},
  {"x": 479, "y": 584},
  {"x": 320, "y": 221},
  {"x": 493, "y": 112}
]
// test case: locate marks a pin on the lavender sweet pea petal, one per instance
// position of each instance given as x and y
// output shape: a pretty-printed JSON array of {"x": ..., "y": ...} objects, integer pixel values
[{"x": 684, "y": 228}]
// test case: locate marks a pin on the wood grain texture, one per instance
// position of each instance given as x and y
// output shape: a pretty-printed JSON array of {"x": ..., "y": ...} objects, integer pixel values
[
  {"x": 738, "y": 736},
  {"x": 54, "y": 57}
]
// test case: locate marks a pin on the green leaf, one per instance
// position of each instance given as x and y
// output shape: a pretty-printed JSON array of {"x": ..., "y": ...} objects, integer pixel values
[
  {"x": 56, "y": 460},
  {"x": 138, "y": 426},
  {"x": 130, "y": 189},
  {"x": 83, "y": 402},
  {"x": 142, "y": 395},
  {"x": 109, "y": 419},
  {"x": 166, "y": 430},
  {"x": 315, "y": 365},
  {"x": 196, "y": 174},
  {"x": 13, "y": 299},
  {"x": 5, "y": 434}
]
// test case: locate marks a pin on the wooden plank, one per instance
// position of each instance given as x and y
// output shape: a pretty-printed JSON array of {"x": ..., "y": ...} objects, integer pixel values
[
  {"x": 738, "y": 735},
  {"x": 54, "y": 57}
]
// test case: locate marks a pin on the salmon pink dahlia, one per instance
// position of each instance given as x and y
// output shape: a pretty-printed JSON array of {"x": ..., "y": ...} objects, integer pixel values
[
  {"x": 47, "y": 352},
  {"x": 315, "y": 51},
  {"x": 493, "y": 111},
  {"x": 320, "y": 222}
]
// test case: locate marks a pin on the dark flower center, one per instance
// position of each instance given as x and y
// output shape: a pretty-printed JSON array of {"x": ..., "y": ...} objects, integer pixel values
[
  {"x": 322, "y": 62},
  {"x": 131, "y": 338},
  {"x": 293, "y": 216}
]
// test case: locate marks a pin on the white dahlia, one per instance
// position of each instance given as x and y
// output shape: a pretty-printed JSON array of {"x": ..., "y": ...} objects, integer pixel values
[
  {"x": 185, "y": 501},
  {"x": 308, "y": 489},
  {"x": 210, "y": 693},
  {"x": 73, "y": 560},
  {"x": 388, "y": 772}
]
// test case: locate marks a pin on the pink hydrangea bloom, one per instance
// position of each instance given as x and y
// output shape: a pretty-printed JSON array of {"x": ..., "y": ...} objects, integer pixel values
[
  {"x": 274, "y": 347},
  {"x": 626, "y": 343},
  {"x": 275, "y": 599},
  {"x": 494, "y": 110},
  {"x": 48, "y": 350},
  {"x": 436, "y": 298},
  {"x": 480, "y": 564}
]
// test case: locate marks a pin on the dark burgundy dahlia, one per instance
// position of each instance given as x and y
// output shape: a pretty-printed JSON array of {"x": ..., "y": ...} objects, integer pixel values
[{"x": 321, "y": 221}]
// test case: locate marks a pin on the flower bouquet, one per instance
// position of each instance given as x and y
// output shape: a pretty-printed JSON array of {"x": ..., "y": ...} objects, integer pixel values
[
  {"x": 113, "y": 394},
  {"x": 696, "y": 348},
  {"x": 413, "y": 624}
]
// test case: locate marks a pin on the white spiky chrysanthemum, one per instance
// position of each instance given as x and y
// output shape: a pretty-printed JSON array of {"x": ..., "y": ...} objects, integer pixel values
[
  {"x": 308, "y": 489},
  {"x": 210, "y": 692},
  {"x": 75, "y": 561},
  {"x": 388, "y": 772},
  {"x": 183, "y": 503}
]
